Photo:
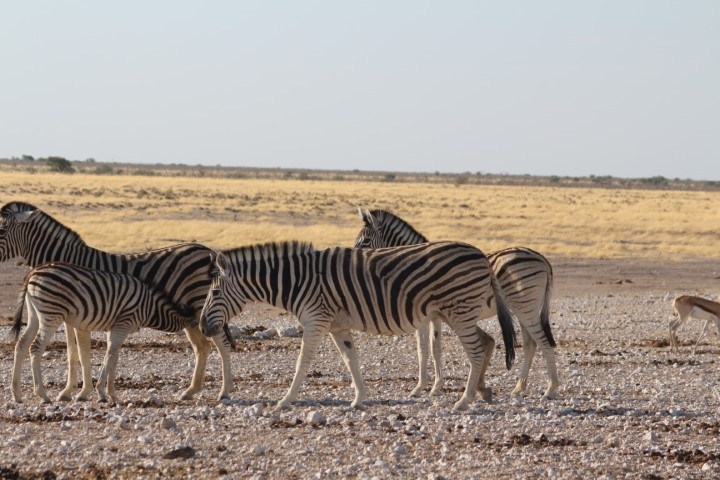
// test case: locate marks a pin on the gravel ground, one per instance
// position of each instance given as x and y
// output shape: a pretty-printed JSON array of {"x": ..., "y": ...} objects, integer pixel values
[{"x": 628, "y": 407}]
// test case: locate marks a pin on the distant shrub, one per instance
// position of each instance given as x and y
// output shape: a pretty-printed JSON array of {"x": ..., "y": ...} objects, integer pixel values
[
  {"x": 59, "y": 164},
  {"x": 389, "y": 177},
  {"x": 554, "y": 179},
  {"x": 656, "y": 180}
]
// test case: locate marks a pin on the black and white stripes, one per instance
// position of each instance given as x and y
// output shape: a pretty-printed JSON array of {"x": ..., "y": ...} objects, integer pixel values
[
  {"x": 89, "y": 300},
  {"x": 525, "y": 278},
  {"x": 183, "y": 272},
  {"x": 387, "y": 291}
]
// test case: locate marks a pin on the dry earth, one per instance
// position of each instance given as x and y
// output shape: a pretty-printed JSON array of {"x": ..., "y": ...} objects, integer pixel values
[{"x": 628, "y": 407}]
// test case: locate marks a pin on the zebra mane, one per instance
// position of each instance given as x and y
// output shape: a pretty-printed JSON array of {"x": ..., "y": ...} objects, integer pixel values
[
  {"x": 264, "y": 251},
  {"x": 9, "y": 209},
  {"x": 387, "y": 220}
]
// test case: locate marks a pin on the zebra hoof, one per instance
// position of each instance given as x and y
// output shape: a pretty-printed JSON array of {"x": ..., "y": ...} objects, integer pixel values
[
  {"x": 486, "y": 394},
  {"x": 436, "y": 392},
  {"x": 63, "y": 397},
  {"x": 417, "y": 391},
  {"x": 186, "y": 395},
  {"x": 460, "y": 406}
]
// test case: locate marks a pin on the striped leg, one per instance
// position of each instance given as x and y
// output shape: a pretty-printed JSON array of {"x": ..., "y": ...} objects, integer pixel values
[
  {"x": 343, "y": 342},
  {"x": 488, "y": 348},
  {"x": 201, "y": 348},
  {"x": 533, "y": 337},
  {"x": 115, "y": 339},
  {"x": 83, "y": 340},
  {"x": 436, "y": 348},
  {"x": 223, "y": 347},
  {"x": 314, "y": 330},
  {"x": 422, "y": 337},
  {"x": 72, "y": 358},
  {"x": 22, "y": 348},
  {"x": 45, "y": 334},
  {"x": 475, "y": 347}
]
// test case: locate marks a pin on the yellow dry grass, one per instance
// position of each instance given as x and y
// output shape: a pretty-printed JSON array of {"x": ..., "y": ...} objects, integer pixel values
[{"x": 131, "y": 213}]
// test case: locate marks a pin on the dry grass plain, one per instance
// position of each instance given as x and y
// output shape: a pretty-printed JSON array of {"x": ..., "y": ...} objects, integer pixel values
[
  {"x": 628, "y": 406},
  {"x": 131, "y": 213}
]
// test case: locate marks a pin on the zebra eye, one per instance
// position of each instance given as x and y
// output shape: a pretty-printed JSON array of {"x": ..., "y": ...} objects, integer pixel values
[
  {"x": 3, "y": 231},
  {"x": 216, "y": 292}
]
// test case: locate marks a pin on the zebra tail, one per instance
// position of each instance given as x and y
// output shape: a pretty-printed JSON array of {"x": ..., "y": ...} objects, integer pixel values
[
  {"x": 506, "y": 322},
  {"x": 226, "y": 329},
  {"x": 17, "y": 320},
  {"x": 545, "y": 313}
]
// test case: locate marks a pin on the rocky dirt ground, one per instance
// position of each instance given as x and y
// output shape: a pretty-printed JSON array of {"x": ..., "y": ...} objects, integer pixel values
[{"x": 628, "y": 407}]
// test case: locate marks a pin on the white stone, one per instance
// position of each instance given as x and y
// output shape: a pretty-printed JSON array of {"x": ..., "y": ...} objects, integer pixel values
[{"x": 316, "y": 417}]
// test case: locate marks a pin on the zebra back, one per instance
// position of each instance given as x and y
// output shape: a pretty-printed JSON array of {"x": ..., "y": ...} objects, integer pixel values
[
  {"x": 389, "y": 291},
  {"x": 183, "y": 270},
  {"x": 97, "y": 299}
]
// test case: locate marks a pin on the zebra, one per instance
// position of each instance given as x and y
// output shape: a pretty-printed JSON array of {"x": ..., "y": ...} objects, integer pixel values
[
  {"x": 182, "y": 270},
  {"x": 525, "y": 278},
  {"x": 388, "y": 291},
  {"x": 89, "y": 300}
]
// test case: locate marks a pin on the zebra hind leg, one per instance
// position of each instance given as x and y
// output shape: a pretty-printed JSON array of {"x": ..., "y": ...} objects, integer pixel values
[
  {"x": 529, "y": 349},
  {"x": 22, "y": 348},
  {"x": 489, "y": 348},
  {"x": 344, "y": 343},
  {"x": 475, "y": 347},
  {"x": 45, "y": 334}
]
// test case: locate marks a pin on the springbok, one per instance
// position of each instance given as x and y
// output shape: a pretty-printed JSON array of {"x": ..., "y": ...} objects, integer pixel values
[{"x": 687, "y": 306}]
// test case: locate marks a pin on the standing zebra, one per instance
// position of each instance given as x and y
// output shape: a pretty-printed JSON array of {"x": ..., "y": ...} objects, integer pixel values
[
  {"x": 389, "y": 291},
  {"x": 89, "y": 300},
  {"x": 183, "y": 271},
  {"x": 525, "y": 278}
]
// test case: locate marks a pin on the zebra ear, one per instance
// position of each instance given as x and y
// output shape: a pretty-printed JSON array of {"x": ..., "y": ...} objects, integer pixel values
[
  {"x": 26, "y": 216},
  {"x": 367, "y": 217},
  {"x": 223, "y": 264}
]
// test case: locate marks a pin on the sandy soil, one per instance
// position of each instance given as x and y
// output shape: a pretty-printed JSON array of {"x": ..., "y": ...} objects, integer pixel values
[{"x": 628, "y": 407}]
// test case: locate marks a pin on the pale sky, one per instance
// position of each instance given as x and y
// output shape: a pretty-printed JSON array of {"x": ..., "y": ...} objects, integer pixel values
[{"x": 571, "y": 88}]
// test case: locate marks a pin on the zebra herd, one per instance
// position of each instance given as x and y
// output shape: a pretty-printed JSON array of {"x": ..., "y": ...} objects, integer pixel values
[{"x": 392, "y": 282}]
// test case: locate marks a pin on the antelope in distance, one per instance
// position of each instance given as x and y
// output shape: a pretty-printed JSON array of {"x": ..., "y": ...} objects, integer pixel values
[{"x": 690, "y": 306}]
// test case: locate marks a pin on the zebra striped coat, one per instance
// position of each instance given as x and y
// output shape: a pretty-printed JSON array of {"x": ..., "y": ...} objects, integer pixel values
[
  {"x": 525, "y": 278},
  {"x": 388, "y": 291},
  {"x": 89, "y": 300},
  {"x": 182, "y": 270}
]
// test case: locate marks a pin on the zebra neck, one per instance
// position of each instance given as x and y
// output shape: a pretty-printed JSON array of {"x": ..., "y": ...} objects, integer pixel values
[{"x": 64, "y": 246}]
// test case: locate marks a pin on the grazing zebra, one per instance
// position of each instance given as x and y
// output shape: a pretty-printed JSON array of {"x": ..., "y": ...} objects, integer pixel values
[
  {"x": 389, "y": 291},
  {"x": 183, "y": 271},
  {"x": 525, "y": 278},
  {"x": 89, "y": 300}
]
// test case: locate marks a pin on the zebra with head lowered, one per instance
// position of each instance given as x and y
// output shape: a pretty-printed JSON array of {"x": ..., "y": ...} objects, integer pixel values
[
  {"x": 525, "y": 278},
  {"x": 389, "y": 291},
  {"x": 90, "y": 300},
  {"x": 182, "y": 271}
]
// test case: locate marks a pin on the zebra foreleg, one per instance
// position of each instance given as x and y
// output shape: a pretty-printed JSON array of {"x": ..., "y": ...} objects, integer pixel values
[
  {"x": 436, "y": 348},
  {"x": 22, "y": 348},
  {"x": 115, "y": 338},
  {"x": 313, "y": 333},
  {"x": 201, "y": 348},
  {"x": 222, "y": 343},
  {"x": 84, "y": 347},
  {"x": 422, "y": 337},
  {"x": 344, "y": 343},
  {"x": 45, "y": 334},
  {"x": 72, "y": 358}
]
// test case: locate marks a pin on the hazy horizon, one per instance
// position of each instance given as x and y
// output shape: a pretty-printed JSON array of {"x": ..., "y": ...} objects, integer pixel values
[{"x": 626, "y": 89}]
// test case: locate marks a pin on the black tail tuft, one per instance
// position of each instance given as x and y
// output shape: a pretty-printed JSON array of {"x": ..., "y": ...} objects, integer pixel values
[
  {"x": 506, "y": 323},
  {"x": 545, "y": 312},
  {"x": 17, "y": 320}
]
